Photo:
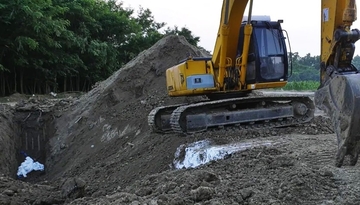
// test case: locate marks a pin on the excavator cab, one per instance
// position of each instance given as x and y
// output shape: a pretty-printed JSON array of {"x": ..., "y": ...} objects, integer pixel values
[{"x": 268, "y": 59}]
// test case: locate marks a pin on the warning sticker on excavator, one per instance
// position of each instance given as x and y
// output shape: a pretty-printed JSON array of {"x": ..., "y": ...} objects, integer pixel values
[{"x": 326, "y": 14}]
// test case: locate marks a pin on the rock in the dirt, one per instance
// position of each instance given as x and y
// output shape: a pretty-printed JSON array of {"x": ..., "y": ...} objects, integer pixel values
[
  {"x": 246, "y": 193},
  {"x": 4, "y": 199},
  {"x": 73, "y": 188},
  {"x": 144, "y": 191},
  {"x": 202, "y": 193},
  {"x": 9, "y": 192},
  {"x": 208, "y": 176}
]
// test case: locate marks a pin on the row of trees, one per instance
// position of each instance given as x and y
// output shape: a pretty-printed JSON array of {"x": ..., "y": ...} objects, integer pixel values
[
  {"x": 307, "y": 68},
  {"x": 66, "y": 45}
]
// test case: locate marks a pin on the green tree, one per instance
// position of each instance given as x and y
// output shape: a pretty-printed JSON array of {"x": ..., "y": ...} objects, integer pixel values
[
  {"x": 30, "y": 33},
  {"x": 67, "y": 45},
  {"x": 356, "y": 62},
  {"x": 193, "y": 40},
  {"x": 146, "y": 34},
  {"x": 305, "y": 68}
]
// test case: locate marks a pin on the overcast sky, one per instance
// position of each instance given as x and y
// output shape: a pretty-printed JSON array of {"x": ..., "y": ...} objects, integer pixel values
[{"x": 301, "y": 19}]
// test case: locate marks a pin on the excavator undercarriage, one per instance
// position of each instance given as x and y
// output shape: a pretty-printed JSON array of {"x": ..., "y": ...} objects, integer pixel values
[{"x": 244, "y": 112}]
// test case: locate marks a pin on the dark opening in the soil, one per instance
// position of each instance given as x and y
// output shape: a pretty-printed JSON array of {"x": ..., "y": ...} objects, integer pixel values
[{"x": 34, "y": 128}]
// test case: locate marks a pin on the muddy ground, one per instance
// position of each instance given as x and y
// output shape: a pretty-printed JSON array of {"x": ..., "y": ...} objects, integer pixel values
[{"x": 97, "y": 149}]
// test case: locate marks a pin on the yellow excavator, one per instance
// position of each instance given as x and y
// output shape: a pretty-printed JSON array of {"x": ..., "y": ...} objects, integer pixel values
[{"x": 251, "y": 54}]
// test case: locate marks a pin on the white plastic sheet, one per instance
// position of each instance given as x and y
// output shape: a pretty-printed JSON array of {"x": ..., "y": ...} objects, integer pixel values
[
  {"x": 202, "y": 152},
  {"x": 28, "y": 166}
]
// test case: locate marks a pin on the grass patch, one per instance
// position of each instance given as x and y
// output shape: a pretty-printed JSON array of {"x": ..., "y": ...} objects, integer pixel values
[{"x": 302, "y": 86}]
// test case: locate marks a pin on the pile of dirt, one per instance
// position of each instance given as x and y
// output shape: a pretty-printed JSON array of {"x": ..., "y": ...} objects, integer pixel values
[
  {"x": 103, "y": 152},
  {"x": 294, "y": 172},
  {"x": 17, "y": 192},
  {"x": 104, "y": 136},
  {"x": 229, "y": 187}
]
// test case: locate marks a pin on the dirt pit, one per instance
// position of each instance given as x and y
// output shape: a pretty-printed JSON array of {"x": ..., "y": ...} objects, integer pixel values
[{"x": 98, "y": 149}]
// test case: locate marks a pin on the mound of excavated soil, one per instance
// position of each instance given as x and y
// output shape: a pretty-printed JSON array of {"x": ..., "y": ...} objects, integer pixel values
[
  {"x": 105, "y": 137},
  {"x": 297, "y": 170},
  {"x": 103, "y": 151}
]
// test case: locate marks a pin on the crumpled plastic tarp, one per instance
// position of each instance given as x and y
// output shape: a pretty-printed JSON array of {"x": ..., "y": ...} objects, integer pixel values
[{"x": 28, "y": 166}]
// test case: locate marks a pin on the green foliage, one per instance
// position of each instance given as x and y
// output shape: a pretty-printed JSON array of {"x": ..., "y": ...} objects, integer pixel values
[
  {"x": 193, "y": 40},
  {"x": 2, "y": 68},
  {"x": 305, "y": 68},
  {"x": 356, "y": 62},
  {"x": 67, "y": 45},
  {"x": 302, "y": 85}
]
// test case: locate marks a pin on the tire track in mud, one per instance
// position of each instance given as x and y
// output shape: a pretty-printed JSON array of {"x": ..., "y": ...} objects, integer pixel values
[
  {"x": 316, "y": 154},
  {"x": 348, "y": 181},
  {"x": 316, "y": 150},
  {"x": 279, "y": 174}
]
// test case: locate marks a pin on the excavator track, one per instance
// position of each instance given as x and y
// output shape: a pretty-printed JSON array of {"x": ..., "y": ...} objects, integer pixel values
[
  {"x": 159, "y": 118},
  {"x": 250, "y": 112}
]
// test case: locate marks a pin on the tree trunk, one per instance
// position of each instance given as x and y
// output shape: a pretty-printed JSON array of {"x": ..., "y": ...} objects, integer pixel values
[
  {"x": 47, "y": 87},
  {"x": 22, "y": 81},
  {"x": 71, "y": 84},
  {"x": 64, "y": 88},
  {"x": 2, "y": 86},
  {"x": 15, "y": 85},
  {"x": 84, "y": 86},
  {"x": 8, "y": 85},
  {"x": 39, "y": 88},
  {"x": 34, "y": 88},
  {"x": 55, "y": 84},
  {"x": 78, "y": 83}
]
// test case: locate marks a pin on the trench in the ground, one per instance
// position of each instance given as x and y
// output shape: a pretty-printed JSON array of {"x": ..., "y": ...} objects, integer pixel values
[{"x": 34, "y": 128}]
